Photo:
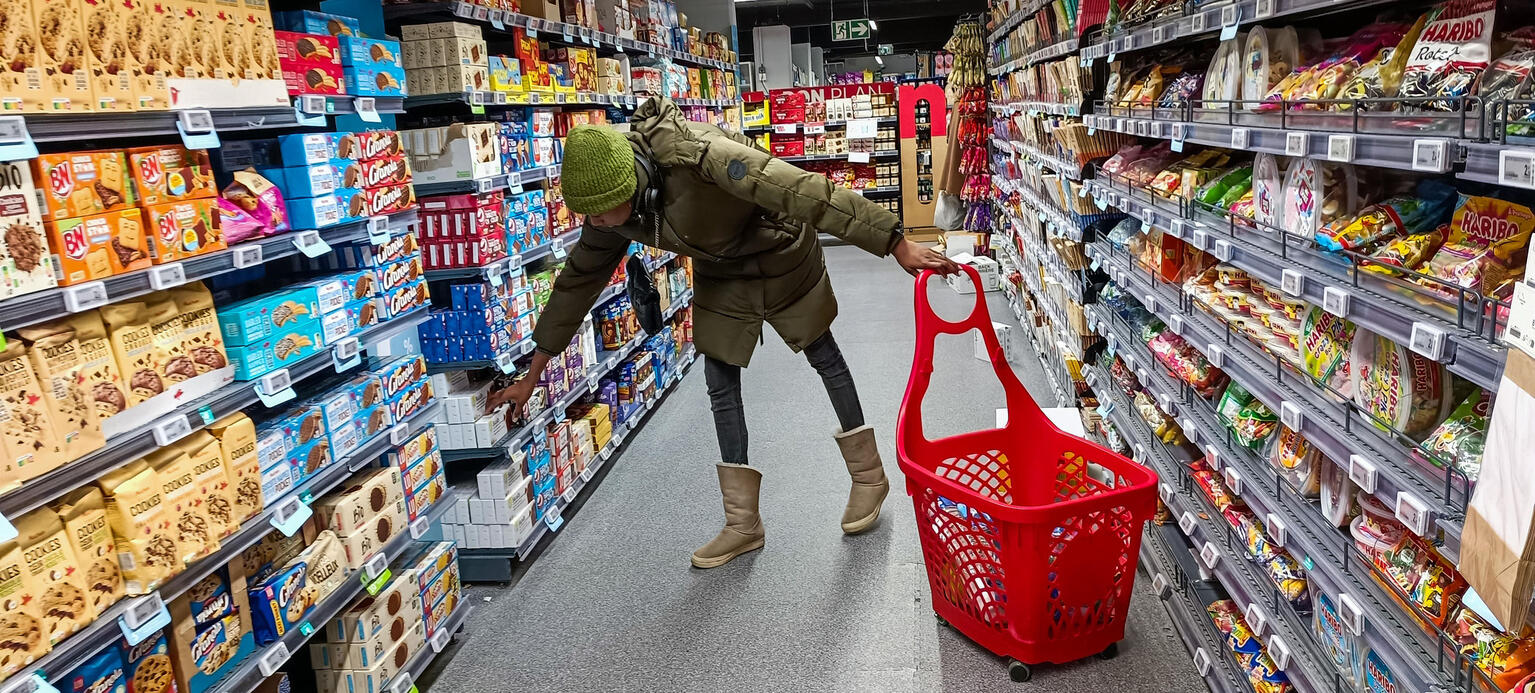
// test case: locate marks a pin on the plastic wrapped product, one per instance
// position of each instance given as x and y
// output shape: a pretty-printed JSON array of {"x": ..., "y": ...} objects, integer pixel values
[
  {"x": 1401, "y": 389},
  {"x": 1426, "y": 581},
  {"x": 1315, "y": 194},
  {"x": 1376, "y": 677},
  {"x": 1503, "y": 658},
  {"x": 1326, "y": 349},
  {"x": 1381, "y": 78},
  {"x": 1298, "y": 461},
  {"x": 1453, "y": 50},
  {"x": 1337, "y": 495},
  {"x": 1213, "y": 192},
  {"x": 1407, "y": 252},
  {"x": 1508, "y": 78},
  {"x": 1268, "y": 188},
  {"x": 1459, "y": 439},
  {"x": 1486, "y": 247},
  {"x": 1223, "y": 80},
  {"x": 1334, "y": 637},
  {"x": 1427, "y": 208},
  {"x": 1270, "y": 54}
]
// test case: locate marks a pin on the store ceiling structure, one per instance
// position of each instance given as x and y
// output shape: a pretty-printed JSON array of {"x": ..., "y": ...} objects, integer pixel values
[{"x": 908, "y": 25}]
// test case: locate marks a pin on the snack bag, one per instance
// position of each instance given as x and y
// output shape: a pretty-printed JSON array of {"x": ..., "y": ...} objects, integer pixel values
[
  {"x": 260, "y": 199},
  {"x": 1451, "y": 53},
  {"x": 1328, "y": 341},
  {"x": 1459, "y": 439},
  {"x": 1504, "y": 658},
  {"x": 1486, "y": 247}
]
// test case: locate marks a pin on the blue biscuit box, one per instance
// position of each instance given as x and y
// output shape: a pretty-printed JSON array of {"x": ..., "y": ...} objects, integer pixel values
[
  {"x": 311, "y": 22},
  {"x": 304, "y": 149},
  {"x": 374, "y": 420},
  {"x": 366, "y": 389},
  {"x": 301, "y": 425},
  {"x": 344, "y": 439},
  {"x": 365, "y": 52},
  {"x": 313, "y": 180},
  {"x": 311, "y": 458},
  {"x": 314, "y": 212},
  {"x": 336, "y": 408},
  {"x": 381, "y": 80},
  {"x": 290, "y": 345},
  {"x": 338, "y": 325},
  {"x": 262, "y": 316}
]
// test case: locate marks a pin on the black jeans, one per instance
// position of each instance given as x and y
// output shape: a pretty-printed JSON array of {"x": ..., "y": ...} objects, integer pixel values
[{"x": 724, "y": 382}]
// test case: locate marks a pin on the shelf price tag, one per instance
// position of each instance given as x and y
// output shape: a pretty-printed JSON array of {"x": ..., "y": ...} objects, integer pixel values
[
  {"x": 378, "y": 230},
  {"x": 290, "y": 515},
  {"x": 1335, "y": 301},
  {"x": 310, "y": 243},
  {"x": 1340, "y": 148},
  {"x": 1362, "y": 472},
  {"x": 143, "y": 618},
  {"x": 1239, "y": 138},
  {"x": 1188, "y": 430},
  {"x": 373, "y": 569},
  {"x": 1290, "y": 413},
  {"x": 1516, "y": 167},
  {"x": 346, "y": 353},
  {"x": 1224, "y": 250},
  {"x": 1165, "y": 491},
  {"x": 1256, "y": 619},
  {"x": 1210, "y": 556},
  {"x": 248, "y": 255},
  {"x": 1187, "y": 522},
  {"x": 402, "y": 683},
  {"x": 15, "y": 140},
  {"x": 1159, "y": 34},
  {"x": 1233, "y": 479},
  {"x": 419, "y": 528},
  {"x": 1292, "y": 282},
  {"x": 784, "y": 128},
  {"x": 1202, "y": 661},
  {"x": 440, "y": 640},
  {"x": 1197, "y": 23},
  {"x": 552, "y": 519},
  {"x": 498, "y": 20},
  {"x": 30, "y": 684},
  {"x": 506, "y": 362},
  {"x": 1413, "y": 513},
  {"x": 1297, "y": 143},
  {"x": 1276, "y": 529},
  {"x": 1279, "y": 651},
  {"x": 557, "y": 248},
  {"x": 171, "y": 429},
  {"x": 569, "y": 495},
  {"x": 1200, "y": 239},
  {"x": 1231, "y": 16},
  {"x": 275, "y": 388},
  {"x": 1214, "y": 456},
  {"x": 1264, "y": 9},
  {"x": 82, "y": 297},
  {"x": 197, "y": 131},
  {"x": 1427, "y": 340},
  {"x": 1431, "y": 154},
  {"x": 815, "y": 128},
  {"x": 1353, "y": 615},
  {"x": 276, "y": 656},
  {"x": 1160, "y": 587},
  {"x": 586, "y": 474}
]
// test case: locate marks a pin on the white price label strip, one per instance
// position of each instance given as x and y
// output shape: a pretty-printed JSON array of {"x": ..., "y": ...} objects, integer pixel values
[
  {"x": 276, "y": 656},
  {"x": 248, "y": 255},
  {"x": 167, "y": 276},
  {"x": 83, "y": 297},
  {"x": 1362, "y": 472},
  {"x": 1160, "y": 587},
  {"x": 171, "y": 429}
]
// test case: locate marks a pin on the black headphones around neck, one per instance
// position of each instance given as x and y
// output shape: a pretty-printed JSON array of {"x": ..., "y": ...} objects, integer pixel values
[{"x": 648, "y": 201}]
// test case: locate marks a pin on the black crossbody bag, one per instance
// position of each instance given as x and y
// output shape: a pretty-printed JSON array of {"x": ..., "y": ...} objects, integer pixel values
[{"x": 641, "y": 287}]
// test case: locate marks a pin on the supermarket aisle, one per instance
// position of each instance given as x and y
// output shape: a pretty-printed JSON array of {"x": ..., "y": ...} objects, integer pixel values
[{"x": 613, "y": 605}]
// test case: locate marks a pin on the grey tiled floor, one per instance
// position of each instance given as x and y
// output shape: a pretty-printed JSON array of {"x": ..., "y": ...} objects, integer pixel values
[{"x": 612, "y": 604}]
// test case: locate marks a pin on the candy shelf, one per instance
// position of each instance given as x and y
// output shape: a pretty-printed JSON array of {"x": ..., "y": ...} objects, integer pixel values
[
  {"x": 105, "y": 630},
  {"x": 839, "y": 157},
  {"x": 1186, "y": 598},
  {"x": 1377, "y": 303},
  {"x": 555, "y": 248},
  {"x": 571, "y": 34},
  {"x": 493, "y": 565},
  {"x": 1051, "y": 107},
  {"x": 523, "y": 98},
  {"x": 1059, "y": 223},
  {"x": 249, "y": 673},
  {"x": 231, "y": 397},
  {"x": 500, "y": 181},
  {"x": 790, "y": 128},
  {"x": 49, "y": 304},
  {"x": 1054, "y": 50},
  {"x": 1209, "y": 20},
  {"x": 1071, "y": 170}
]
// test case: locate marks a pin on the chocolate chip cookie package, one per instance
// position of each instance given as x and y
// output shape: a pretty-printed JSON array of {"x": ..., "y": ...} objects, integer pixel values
[
  {"x": 28, "y": 437},
  {"x": 24, "y": 265},
  {"x": 200, "y": 335},
  {"x": 148, "y": 550},
  {"x": 284, "y": 598},
  {"x": 211, "y": 482},
  {"x": 236, "y": 434},
  {"x": 171, "y": 359},
  {"x": 148, "y": 666},
  {"x": 55, "y": 355},
  {"x": 63, "y": 61},
  {"x": 179, "y": 494},
  {"x": 23, "y": 637},
  {"x": 103, "y": 382},
  {"x": 84, "y": 514},
  {"x": 57, "y": 576}
]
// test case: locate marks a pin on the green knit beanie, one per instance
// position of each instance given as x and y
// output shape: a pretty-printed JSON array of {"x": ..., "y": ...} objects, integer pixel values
[{"x": 598, "y": 172}]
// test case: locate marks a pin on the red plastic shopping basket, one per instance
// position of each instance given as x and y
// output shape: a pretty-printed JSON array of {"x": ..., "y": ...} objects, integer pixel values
[{"x": 1031, "y": 535}]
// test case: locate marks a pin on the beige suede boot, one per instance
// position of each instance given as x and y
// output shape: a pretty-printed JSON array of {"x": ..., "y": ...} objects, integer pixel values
[
  {"x": 870, "y": 486},
  {"x": 739, "y": 485}
]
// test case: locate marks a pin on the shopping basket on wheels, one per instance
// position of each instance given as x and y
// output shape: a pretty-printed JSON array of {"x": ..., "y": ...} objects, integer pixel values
[{"x": 1030, "y": 535}]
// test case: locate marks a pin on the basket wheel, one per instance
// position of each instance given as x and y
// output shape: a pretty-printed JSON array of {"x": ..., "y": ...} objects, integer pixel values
[
  {"x": 940, "y": 619},
  {"x": 1109, "y": 652},
  {"x": 1018, "y": 671}
]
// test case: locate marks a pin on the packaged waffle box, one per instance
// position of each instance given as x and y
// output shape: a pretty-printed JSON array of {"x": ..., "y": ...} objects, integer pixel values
[
  {"x": 63, "y": 61},
  {"x": 24, "y": 265},
  {"x": 84, "y": 514}
]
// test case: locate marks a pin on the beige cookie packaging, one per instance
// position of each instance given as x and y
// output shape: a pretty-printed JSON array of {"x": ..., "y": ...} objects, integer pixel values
[
  {"x": 21, "y": 81},
  {"x": 84, "y": 514},
  {"x": 260, "y": 42},
  {"x": 173, "y": 363},
  {"x": 147, "y": 548},
  {"x": 24, "y": 253},
  {"x": 22, "y": 636},
  {"x": 183, "y": 503},
  {"x": 212, "y": 482},
  {"x": 103, "y": 384},
  {"x": 133, "y": 346},
  {"x": 58, "y": 577},
  {"x": 236, "y": 434},
  {"x": 111, "y": 61},
  {"x": 200, "y": 336},
  {"x": 62, "y": 58},
  {"x": 26, "y": 428},
  {"x": 55, "y": 356},
  {"x": 144, "y": 25}
]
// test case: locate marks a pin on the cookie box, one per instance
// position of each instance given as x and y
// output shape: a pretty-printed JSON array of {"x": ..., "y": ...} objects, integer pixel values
[
  {"x": 340, "y": 324},
  {"x": 365, "y": 52},
  {"x": 413, "y": 450},
  {"x": 102, "y": 673},
  {"x": 278, "y": 479},
  {"x": 147, "y": 665},
  {"x": 395, "y": 249},
  {"x": 421, "y": 471},
  {"x": 376, "y": 531},
  {"x": 505, "y": 74},
  {"x": 422, "y": 498},
  {"x": 313, "y": 180},
  {"x": 79, "y": 184},
  {"x": 183, "y": 229},
  {"x": 383, "y": 80},
  {"x": 430, "y": 561},
  {"x": 440, "y": 598},
  {"x": 370, "y": 144},
  {"x": 263, "y": 316},
  {"x": 372, "y": 173},
  {"x": 374, "y": 420},
  {"x": 170, "y": 173},
  {"x": 313, "y": 78},
  {"x": 366, "y": 389},
  {"x": 300, "y": 425},
  {"x": 351, "y": 508},
  {"x": 311, "y": 22},
  {"x": 412, "y": 399},
  {"x": 24, "y": 265},
  {"x": 331, "y": 293},
  {"x": 400, "y": 373},
  {"x": 305, "y": 149},
  {"x": 98, "y": 246},
  {"x": 406, "y": 298},
  {"x": 312, "y": 457},
  {"x": 206, "y": 636},
  {"x": 306, "y": 48},
  {"x": 315, "y": 212},
  {"x": 282, "y": 600},
  {"x": 377, "y": 617},
  {"x": 376, "y": 201},
  {"x": 290, "y": 345},
  {"x": 398, "y": 274},
  {"x": 373, "y": 679}
]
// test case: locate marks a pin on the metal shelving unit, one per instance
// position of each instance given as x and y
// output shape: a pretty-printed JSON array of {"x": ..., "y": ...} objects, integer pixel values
[{"x": 500, "y": 181}]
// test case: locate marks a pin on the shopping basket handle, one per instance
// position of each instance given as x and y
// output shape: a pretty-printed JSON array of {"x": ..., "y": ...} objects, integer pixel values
[{"x": 1023, "y": 415}]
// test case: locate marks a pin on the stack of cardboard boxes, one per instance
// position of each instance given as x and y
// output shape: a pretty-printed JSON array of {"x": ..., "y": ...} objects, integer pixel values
[{"x": 445, "y": 58}]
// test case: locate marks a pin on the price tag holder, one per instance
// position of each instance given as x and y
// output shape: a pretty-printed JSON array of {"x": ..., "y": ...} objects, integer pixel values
[
  {"x": 1239, "y": 138},
  {"x": 1276, "y": 529},
  {"x": 440, "y": 640},
  {"x": 785, "y": 128},
  {"x": 1210, "y": 556},
  {"x": 171, "y": 429},
  {"x": 197, "y": 131},
  {"x": 310, "y": 243},
  {"x": 1428, "y": 340},
  {"x": 1165, "y": 491},
  {"x": 557, "y": 248},
  {"x": 248, "y": 255},
  {"x": 1160, "y": 587},
  {"x": 815, "y": 128},
  {"x": 402, "y": 683},
  {"x": 1264, "y": 9},
  {"x": 858, "y": 157},
  {"x": 1224, "y": 250},
  {"x": 30, "y": 684},
  {"x": 16, "y": 140},
  {"x": 290, "y": 515},
  {"x": 1197, "y": 23},
  {"x": 1293, "y": 282},
  {"x": 1291, "y": 415},
  {"x": 378, "y": 230},
  {"x": 276, "y": 656},
  {"x": 1340, "y": 148},
  {"x": 1213, "y": 454},
  {"x": 569, "y": 495},
  {"x": 1256, "y": 619},
  {"x": 1363, "y": 473},
  {"x": 275, "y": 388},
  {"x": 143, "y": 619},
  {"x": 552, "y": 519},
  {"x": 506, "y": 362},
  {"x": 1413, "y": 513},
  {"x": 1200, "y": 239},
  {"x": 346, "y": 353},
  {"x": 1233, "y": 479},
  {"x": 1335, "y": 301},
  {"x": 1279, "y": 651},
  {"x": 498, "y": 20},
  {"x": 1202, "y": 662},
  {"x": 1431, "y": 154},
  {"x": 1159, "y": 34},
  {"x": 309, "y": 110},
  {"x": 1352, "y": 614},
  {"x": 1297, "y": 143},
  {"x": 420, "y": 527},
  {"x": 83, "y": 297},
  {"x": 1187, "y": 522},
  {"x": 375, "y": 568}
]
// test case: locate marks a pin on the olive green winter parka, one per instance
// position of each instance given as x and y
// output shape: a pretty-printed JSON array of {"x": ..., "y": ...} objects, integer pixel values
[{"x": 750, "y": 223}]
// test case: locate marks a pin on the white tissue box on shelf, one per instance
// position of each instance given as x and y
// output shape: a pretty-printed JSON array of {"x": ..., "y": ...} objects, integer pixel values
[{"x": 987, "y": 267}]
